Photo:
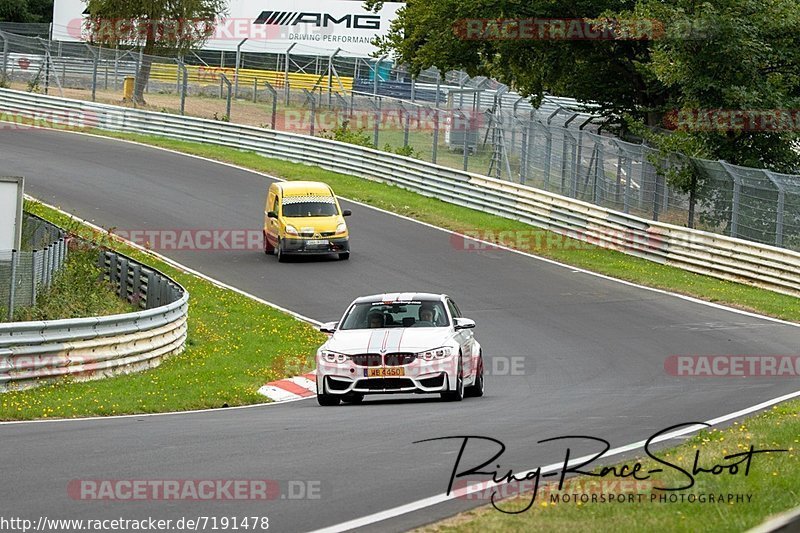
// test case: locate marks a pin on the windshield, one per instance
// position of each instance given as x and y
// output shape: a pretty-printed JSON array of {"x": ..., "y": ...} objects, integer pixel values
[
  {"x": 416, "y": 314},
  {"x": 293, "y": 207}
]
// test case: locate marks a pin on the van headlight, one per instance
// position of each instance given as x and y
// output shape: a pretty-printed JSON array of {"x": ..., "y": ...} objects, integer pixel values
[
  {"x": 332, "y": 357},
  {"x": 291, "y": 230},
  {"x": 438, "y": 353},
  {"x": 341, "y": 228}
]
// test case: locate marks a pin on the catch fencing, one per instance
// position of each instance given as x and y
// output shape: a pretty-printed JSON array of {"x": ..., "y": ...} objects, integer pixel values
[
  {"x": 472, "y": 124},
  {"x": 25, "y": 273},
  {"x": 698, "y": 251}
]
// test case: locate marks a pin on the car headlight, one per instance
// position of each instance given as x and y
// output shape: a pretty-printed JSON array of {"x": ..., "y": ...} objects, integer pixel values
[
  {"x": 341, "y": 228},
  {"x": 438, "y": 353},
  {"x": 332, "y": 357},
  {"x": 291, "y": 230}
]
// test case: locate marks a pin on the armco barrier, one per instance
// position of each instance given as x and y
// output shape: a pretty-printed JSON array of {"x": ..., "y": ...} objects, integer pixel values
[
  {"x": 33, "y": 353},
  {"x": 715, "y": 255}
]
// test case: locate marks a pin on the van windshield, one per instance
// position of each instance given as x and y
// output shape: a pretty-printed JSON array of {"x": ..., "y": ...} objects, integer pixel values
[{"x": 309, "y": 209}]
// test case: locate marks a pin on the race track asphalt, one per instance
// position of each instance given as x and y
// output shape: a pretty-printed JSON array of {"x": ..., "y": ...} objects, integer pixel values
[{"x": 593, "y": 354}]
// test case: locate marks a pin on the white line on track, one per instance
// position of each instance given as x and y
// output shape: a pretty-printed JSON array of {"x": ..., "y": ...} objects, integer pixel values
[{"x": 441, "y": 498}]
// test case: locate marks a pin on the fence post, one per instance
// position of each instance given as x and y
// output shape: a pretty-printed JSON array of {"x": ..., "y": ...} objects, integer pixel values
[
  {"x": 436, "y": 119},
  {"x": 95, "y": 61},
  {"x": 35, "y": 256},
  {"x": 286, "y": 74},
  {"x": 236, "y": 70},
  {"x": 229, "y": 86},
  {"x": 183, "y": 74},
  {"x": 311, "y": 98},
  {"x": 13, "y": 287},
  {"x": 781, "y": 205},
  {"x": 737, "y": 192},
  {"x": 5, "y": 53}
]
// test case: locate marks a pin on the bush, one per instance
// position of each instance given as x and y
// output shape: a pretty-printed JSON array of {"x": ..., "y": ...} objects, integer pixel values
[{"x": 345, "y": 135}]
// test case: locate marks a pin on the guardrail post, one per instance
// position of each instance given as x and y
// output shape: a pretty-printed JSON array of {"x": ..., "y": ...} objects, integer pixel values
[
  {"x": 781, "y": 206},
  {"x": 122, "y": 292}
]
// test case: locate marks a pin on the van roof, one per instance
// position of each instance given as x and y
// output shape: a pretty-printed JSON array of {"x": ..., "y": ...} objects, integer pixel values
[{"x": 303, "y": 188}]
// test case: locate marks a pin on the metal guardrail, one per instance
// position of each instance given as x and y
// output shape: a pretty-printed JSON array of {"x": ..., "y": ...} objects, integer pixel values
[
  {"x": 37, "y": 352},
  {"x": 715, "y": 255}
]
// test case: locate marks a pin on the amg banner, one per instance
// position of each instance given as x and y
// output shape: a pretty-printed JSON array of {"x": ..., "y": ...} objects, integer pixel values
[{"x": 315, "y": 27}]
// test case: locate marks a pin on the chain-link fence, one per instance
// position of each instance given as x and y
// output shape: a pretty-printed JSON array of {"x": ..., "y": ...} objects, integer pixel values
[
  {"x": 24, "y": 273},
  {"x": 474, "y": 124}
]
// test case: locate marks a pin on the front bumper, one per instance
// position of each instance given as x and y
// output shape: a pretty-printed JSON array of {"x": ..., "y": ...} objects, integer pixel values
[
  {"x": 418, "y": 377},
  {"x": 302, "y": 246}
]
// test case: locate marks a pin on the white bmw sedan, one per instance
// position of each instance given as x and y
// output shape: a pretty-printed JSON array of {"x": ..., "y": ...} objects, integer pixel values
[{"x": 399, "y": 343}]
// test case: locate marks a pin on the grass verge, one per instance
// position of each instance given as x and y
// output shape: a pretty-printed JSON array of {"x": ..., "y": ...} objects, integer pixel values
[
  {"x": 442, "y": 214},
  {"x": 234, "y": 346},
  {"x": 772, "y": 483}
]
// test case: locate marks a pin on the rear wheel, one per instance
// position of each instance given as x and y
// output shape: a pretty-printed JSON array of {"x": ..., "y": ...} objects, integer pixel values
[
  {"x": 344, "y": 256},
  {"x": 476, "y": 389},
  {"x": 458, "y": 394}
]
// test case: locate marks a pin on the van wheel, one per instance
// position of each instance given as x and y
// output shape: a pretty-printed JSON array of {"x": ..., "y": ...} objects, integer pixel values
[
  {"x": 344, "y": 256},
  {"x": 279, "y": 252},
  {"x": 268, "y": 248}
]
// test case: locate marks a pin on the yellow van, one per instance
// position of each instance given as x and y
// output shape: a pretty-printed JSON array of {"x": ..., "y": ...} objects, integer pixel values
[{"x": 304, "y": 217}]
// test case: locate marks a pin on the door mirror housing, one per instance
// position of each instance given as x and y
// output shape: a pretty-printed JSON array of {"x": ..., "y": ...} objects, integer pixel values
[
  {"x": 272, "y": 214},
  {"x": 464, "y": 323},
  {"x": 328, "y": 327},
  {"x": 346, "y": 213}
]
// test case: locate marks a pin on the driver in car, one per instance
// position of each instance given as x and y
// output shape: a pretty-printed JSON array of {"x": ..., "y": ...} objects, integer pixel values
[{"x": 425, "y": 316}]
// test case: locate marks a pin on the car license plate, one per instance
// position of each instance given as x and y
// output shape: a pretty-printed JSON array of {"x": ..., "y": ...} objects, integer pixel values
[
  {"x": 317, "y": 242},
  {"x": 384, "y": 372}
]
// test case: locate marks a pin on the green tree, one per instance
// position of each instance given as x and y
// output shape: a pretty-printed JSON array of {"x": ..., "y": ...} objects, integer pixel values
[
  {"x": 26, "y": 10},
  {"x": 718, "y": 54},
  {"x": 166, "y": 28},
  {"x": 14, "y": 11}
]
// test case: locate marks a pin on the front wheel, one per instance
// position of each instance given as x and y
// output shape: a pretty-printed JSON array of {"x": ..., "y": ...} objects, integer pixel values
[
  {"x": 279, "y": 252},
  {"x": 476, "y": 389},
  {"x": 327, "y": 400},
  {"x": 268, "y": 248},
  {"x": 458, "y": 394},
  {"x": 353, "y": 397}
]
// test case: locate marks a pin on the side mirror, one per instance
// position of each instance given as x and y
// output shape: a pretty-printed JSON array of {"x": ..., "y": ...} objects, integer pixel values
[
  {"x": 328, "y": 327},
  {"x": 272, "y": 214},
  {"x": 346, "y": 213},
  {"x": 464, "y": 323}
]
